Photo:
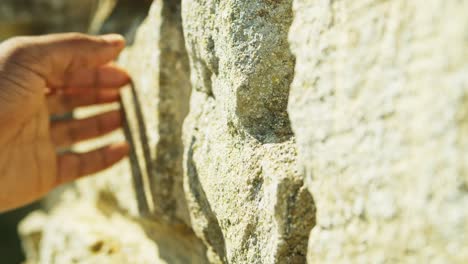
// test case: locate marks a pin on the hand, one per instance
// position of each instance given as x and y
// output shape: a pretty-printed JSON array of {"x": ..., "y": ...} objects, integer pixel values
[{"x": 51, "y": 75}]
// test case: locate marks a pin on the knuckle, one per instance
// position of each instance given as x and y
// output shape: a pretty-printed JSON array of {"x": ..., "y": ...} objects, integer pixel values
[
  {"x": 16, "y": 46},
  {"x": 81, "y": 38},
  {"x": 21, "y": 50},
  {"x": 19, "y": 40},
  {"x": 75, "y": 36}
]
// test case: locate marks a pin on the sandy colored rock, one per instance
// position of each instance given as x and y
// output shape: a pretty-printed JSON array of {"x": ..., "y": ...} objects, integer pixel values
[
  {"x": 158, "y": 64},
  {"x": 378, "y": 106},
  {"x": 87, "y": 233},
  {"x": 246, "y": 198},
  {"x": 262, "y": 118}
]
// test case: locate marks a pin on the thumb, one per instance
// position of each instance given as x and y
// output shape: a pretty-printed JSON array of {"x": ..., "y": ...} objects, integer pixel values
[{"x": 54, "y": 57}]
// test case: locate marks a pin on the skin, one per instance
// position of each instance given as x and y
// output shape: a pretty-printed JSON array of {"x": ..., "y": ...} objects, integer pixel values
[{"x": 52, "y": 75}]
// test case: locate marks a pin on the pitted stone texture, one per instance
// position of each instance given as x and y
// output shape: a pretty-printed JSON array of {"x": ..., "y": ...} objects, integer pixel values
[
  {"x": 378, "y": 105},
  {"x": 240, "y": 56},
  {"x": 246, "y": 198}
]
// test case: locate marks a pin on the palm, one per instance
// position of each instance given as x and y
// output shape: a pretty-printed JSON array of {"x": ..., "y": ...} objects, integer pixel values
[
  {"x": 30, "y": 157},
  {"x": 31, "y": 91}
]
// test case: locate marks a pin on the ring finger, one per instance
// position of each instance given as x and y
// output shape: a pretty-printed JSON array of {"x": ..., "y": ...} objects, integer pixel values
[{"x": 66, "y": 133}]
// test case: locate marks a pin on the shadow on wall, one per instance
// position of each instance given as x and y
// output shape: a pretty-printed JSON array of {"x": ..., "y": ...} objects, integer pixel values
[{"x": 212, "y": 232}]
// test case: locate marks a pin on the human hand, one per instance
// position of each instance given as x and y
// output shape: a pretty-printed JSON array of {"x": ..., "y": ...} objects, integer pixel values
[{"x": 52, "y": 75}]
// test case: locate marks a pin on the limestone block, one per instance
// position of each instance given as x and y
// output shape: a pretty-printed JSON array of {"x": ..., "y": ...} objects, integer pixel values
[
  {"x": 159, "y": 65},
  {"x": 160, "y": 100},
  {"x": 378, "y": 106},
  {"x": 247, "y": 200}
]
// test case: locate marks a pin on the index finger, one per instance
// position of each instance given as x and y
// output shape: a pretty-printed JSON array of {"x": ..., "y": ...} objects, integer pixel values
[{"x": 56, "y": 56}]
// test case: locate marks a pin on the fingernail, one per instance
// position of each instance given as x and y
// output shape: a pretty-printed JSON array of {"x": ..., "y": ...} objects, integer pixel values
[{"x": 114, "y": 39}]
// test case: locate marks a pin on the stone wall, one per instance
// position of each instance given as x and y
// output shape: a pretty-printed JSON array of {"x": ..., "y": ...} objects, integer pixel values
[{"x": 281, "y": 131}]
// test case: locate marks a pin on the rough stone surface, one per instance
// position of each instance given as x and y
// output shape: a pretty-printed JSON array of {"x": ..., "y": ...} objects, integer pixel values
[
  {"x": 282, "y": 131},
  {"x": 246, "y": 198},
  {"x": 378, "y": 106}
]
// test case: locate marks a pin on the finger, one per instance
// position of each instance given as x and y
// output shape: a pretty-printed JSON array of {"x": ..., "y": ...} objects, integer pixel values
[
  {"x": 104, "y": 77},
  {"x": 55, "y": 56},
  {"x": 72, "y": 166},
  {"x": 65, "y": 102},
  {"x": 66, "y": 133}
]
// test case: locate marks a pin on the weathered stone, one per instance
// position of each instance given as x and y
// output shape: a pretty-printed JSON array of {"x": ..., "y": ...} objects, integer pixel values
[
  {"x": 378, "y": 129},
  {"x": 378, "y": 106},
  {"x": 106, "y": 208},
  {"x": 246, "y": 199},
  {"x": 159, "y": 66}
]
